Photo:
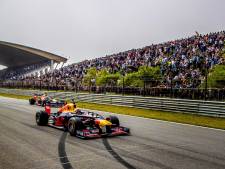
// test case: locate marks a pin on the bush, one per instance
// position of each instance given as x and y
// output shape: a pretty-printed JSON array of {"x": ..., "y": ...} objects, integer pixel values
[
  {"x": 216, "y": 77},
  {"x": 145, "y": 75}
]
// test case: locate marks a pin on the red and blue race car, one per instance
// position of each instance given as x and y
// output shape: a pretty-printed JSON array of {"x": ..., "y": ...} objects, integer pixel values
[
  {"x": 43, "y": 100},
  {"x": 82, "y": 123}
]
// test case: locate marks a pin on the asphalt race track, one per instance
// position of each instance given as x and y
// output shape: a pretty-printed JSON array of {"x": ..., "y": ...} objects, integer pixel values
[{"x": 152, "y": 145}]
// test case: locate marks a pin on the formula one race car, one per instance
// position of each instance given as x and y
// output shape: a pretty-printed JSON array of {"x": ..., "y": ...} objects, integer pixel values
[
  {"x": 82, "y": 123},
  {"x": 42, "y": 100}
]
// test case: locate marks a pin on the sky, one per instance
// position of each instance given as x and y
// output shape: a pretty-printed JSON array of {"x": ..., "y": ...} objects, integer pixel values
[{"x": 87, "y": 29}]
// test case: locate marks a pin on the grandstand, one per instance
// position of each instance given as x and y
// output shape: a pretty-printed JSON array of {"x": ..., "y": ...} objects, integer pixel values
[
  {"x": 183, "y": 65},
  {"x": 24, "y": 61}
]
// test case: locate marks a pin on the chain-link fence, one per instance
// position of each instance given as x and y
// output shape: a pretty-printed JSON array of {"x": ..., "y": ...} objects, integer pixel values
[{"x": 169, "y": 92}]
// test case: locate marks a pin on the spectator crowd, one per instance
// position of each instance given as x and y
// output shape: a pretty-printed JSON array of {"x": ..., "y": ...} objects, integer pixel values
[
  {"x": 18, "y": 73},
  {"x": 183, "y": 61}
]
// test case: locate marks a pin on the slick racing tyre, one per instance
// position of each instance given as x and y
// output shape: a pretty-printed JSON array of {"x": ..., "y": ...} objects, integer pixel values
[
  {"x": 74, "y": 124},
  {"x": 42, "y": 118},
  {"x": 114, "y": 120},
  {"x": 32, "y": 101},
  {"x": 43, "y": 104}
]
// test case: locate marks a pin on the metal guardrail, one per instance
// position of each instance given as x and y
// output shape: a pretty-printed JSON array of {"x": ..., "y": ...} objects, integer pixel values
[{"x": 206, "y": 108}]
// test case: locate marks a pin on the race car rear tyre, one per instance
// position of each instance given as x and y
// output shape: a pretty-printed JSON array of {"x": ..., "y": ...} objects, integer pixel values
[
  {"x": 74, "y": 124},
  {"x": 39, "y": 102},
  {"x": 32, "y": 101},
  {"x": 43, "y": 104},
  {"x": 42, "y": 118},
  {"x": 114, "y": 120}
]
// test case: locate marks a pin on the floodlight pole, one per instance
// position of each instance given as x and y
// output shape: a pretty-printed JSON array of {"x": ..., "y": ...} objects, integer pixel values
[{"x": 52, "y": 65}]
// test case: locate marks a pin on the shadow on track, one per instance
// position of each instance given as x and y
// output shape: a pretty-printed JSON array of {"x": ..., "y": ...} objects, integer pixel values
[
  {"x": 62, "y": 152},
  {"x": 115, "y": 155}
]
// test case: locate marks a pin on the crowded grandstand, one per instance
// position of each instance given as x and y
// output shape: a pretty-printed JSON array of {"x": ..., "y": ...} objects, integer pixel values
[
  {"x": 22, "y": 61},
  {"x": 182, "y": 64}
]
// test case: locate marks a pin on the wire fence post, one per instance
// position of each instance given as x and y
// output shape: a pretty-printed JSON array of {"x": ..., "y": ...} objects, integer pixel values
[
  {"x": 40, "y": 85},
  {"x": 206, "y": 81},
  {"x": 171, "y": 87},
  {"x": 123, "y": 85},
  {"x": 144, "y": 87}
]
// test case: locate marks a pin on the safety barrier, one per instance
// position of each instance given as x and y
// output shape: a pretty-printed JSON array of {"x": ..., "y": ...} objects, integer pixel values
[{"x": 207, "y": 108}]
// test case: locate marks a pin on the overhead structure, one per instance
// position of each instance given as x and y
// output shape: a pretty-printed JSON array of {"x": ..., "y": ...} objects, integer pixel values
[{"x": 15, "y": 55}]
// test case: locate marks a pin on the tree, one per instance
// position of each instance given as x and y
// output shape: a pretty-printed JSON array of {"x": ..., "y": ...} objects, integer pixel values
[
  {"x": 91, "y": 75},
  {"x": 144, "y": 76},
  {"x": 216, "y": 77},
  {"x": 132, "y": 80},
  {"x": 101, "y": 77},
  {"x": 149, "y": 75},
  {"x": 104, "y": 78}
]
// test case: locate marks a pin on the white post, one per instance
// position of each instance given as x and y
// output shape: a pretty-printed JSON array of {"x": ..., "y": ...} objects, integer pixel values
[{"x": 52, "y": 66}]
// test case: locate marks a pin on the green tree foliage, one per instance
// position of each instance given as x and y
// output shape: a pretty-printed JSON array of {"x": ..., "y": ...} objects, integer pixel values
[
  {"x": 148, "y": 75},
  {"x": 104, "y": 78},
  {"x": 132, "y": 80},
  {"x": 91, "y": 74},
  {"x": 216, "y": 77},
  {"x": 101, "y": 77},
  {"x": 145, "y": 75}
]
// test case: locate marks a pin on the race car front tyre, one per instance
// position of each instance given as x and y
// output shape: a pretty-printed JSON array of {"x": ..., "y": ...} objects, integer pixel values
[
  {"x": 114, "y": 120},
  {"x": 42, "y": 118},
  {"x": 31, "y": 101},
  {"x": 74, "y": 124}
]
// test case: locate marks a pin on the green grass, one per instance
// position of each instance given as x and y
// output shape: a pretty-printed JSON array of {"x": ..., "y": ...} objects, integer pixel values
[
  {"x": 152, "y": 114},
  {"x": 15, "y": 96}
]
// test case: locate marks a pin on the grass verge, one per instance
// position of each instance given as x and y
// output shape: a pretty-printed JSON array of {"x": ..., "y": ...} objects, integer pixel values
[
  {"x": 15, "y": 96},
  {"x": 212, "y": 122}
]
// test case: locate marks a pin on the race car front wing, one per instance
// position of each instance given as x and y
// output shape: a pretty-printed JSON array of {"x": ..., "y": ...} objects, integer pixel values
[{"x": 95, "y": 133}]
